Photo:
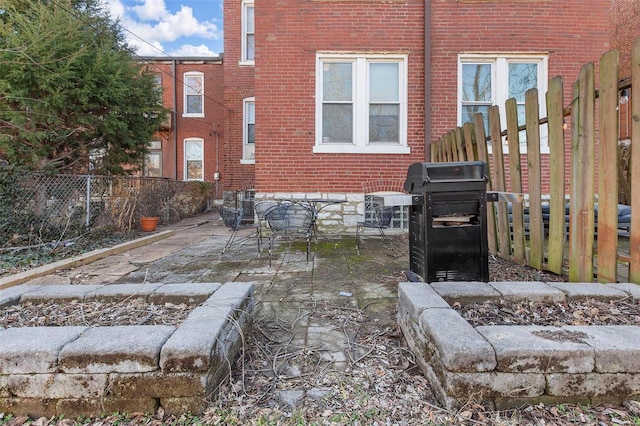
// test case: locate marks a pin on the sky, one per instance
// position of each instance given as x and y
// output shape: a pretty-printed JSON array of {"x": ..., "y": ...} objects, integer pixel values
[{"x": 176, "y": 28}]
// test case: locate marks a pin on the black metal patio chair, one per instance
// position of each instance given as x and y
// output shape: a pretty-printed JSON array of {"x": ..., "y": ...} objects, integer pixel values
[
  {"x": 232, "y": 219},
  {"x": 382, "y": 216},
  {"x": 261, "y": 209},
  {"x": 290, "y": 220}
]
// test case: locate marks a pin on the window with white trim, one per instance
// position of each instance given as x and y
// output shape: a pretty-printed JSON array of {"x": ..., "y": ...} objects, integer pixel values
[
  {"x": 153, "y": 162},
  {"x": 248, "y": 33},
  {"x": 194, "y": 159},
  {"x": 193, "y": 94},
  {"x": 249, "y": 131},
  {"x": 486, "y": 80},
  {"x": 361, "y": 103}
]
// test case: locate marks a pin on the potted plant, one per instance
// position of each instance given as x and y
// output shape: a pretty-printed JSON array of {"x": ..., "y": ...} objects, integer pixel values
[
  {"x": 149, "y": 205},
  {"x": 149, "y": 223}
]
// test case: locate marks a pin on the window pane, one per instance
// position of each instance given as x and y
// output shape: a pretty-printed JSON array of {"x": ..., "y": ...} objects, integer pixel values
[
  {"x": 468, "y": 112},
  {"x": 251, "y": 48},
  {"x": 194, "y": 104},
  {"x": 383, "y": 82},
  {"x": 194, "y": 169},
  {"x": 250, "y": 27},
  {"x": 251, "y": 133},
  {"x": 193, "y": 154},
  {"x": 193, "y": 150},
  {"x": 193, "y": 84},
  {"x": 336, "y": 82},
  {"x": 251, "y": 112},
  {"x": 154, "y": 164},
  {"x": 476, "y": 82},
  {"x": 522, "y": 77},
  {"x": 383, "y": 123},
  {"x": 337, "y": 123}
]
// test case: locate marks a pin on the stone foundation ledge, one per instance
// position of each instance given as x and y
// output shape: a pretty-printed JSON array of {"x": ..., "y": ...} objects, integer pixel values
[
  {"x": 510, "y": 366},
  {"x": 76, "y": 370}
]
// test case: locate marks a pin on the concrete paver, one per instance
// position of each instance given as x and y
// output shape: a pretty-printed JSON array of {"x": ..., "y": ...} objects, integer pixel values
[{"x": 291, "y": 292}]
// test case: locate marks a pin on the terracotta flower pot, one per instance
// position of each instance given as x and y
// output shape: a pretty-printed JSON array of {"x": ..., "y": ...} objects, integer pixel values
[{"x": 148, "y": 224}]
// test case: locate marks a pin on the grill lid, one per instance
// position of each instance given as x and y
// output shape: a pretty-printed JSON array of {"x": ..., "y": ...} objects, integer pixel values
[{"x": 451, "y": 176}]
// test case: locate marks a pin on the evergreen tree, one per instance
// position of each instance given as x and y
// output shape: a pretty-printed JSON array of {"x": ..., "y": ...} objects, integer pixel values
[{"x": 73, "y": 98}]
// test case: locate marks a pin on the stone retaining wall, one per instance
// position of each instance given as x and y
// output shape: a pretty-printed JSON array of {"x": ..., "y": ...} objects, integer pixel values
[
  {"x": 510, "y": 366},
  {"x": 72, "y": 371}
]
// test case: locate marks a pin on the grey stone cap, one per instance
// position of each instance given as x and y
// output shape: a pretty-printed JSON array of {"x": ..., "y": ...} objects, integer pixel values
[
  {"x": 418, "y": 296},
  {"x": 126, "y": 349},
  {"x": 577, "y": 291},
  {"x": 459, "y": 345},
  {"x": 11, "y": 295},
  {"x": 538, "y": 349},
  {"x": 466, "y": 292},
  {"x": 632, "y": 289},
  {"x": 152, "y": 292},
  {"x": 31, "y": 350},
  {"x": 533, "y": 291}
]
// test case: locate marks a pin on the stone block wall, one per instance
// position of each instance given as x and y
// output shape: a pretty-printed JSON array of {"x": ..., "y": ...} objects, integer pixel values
[
  {"x": 511, "y": 366},
  {"x": 77, "y": 370}
]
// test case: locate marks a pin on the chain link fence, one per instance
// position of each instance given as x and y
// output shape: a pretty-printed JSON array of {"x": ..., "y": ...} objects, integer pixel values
[{"x": 37, "y": 209}]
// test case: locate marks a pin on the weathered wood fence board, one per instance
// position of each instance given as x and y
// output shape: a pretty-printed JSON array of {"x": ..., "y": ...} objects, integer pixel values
[
  {"x": 525, "y": 241},
  {"x": 515, "y": 179},
  {"x": 634, "y": 170},
  {"x": 534, "y": 167},
  {"x": 555, "y": 126},
  {"x": 607, "y": 247}
]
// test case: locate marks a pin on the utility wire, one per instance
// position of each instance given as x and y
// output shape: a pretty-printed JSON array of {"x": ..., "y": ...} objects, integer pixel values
[{"x": 146, "y": 60}]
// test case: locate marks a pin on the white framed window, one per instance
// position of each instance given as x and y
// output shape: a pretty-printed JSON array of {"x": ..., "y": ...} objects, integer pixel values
[
  {"x": 361, "y": 103},
  {"x": 489, "y": 79},
  {"x": 194, "y": 159},
  {"x": 249, "y": 131},
  {"x": 193, "y": 94},
  {"x": 153, "y": 162},
  {"x": 248, "y": 33}
]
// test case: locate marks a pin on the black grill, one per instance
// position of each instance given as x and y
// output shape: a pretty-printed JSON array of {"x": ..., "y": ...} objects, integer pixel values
[{"x": 448, "y": 221}]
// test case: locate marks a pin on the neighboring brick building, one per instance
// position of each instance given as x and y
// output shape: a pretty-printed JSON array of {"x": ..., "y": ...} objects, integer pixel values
[
  {"x": 339, "y": 86},
  {"x": 189, "y": 144}
]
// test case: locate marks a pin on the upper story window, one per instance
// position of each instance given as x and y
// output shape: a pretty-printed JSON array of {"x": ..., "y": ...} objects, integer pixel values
[
  {"x": 248, "y": 33},
  {"x": 193, "y": 94},
  {"x": 249, "y": 131},
  {"x": 486, "y": 80},
  {"x": 361, "y": 103},
  {"x": 194, "y": 159}
]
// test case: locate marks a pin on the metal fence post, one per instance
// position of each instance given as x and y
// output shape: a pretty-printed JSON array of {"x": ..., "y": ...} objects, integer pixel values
[{"x": 88, "y": 203}]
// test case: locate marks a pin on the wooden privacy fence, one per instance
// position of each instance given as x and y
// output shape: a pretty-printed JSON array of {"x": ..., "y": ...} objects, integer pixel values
[{"x": 549, "y": 247}]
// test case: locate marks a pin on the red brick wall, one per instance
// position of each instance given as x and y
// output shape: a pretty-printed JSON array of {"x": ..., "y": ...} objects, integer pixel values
[
  {"x": 188, "y": 127},
  {"x": 239, "y": 84},
  {"x": 624, "y": 29},
  {"x": 573, "y": 33},
  {"x": 288, "y": 34}
]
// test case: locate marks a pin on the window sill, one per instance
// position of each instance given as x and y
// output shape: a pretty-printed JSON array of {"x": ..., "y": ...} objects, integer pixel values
[
  {"x": 353, "y": 149},
  {"x": 247, "y": 63},
  {"x": 193, "y": 115},
  {"x": 243, "y": 161}
]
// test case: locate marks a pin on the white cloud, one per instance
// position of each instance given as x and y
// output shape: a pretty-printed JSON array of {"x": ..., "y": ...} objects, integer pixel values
[
  {"x": 152, "y": 28},
  {"x": 189, "y": 50}
]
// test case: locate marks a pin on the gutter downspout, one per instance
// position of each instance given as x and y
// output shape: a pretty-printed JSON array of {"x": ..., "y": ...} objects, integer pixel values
[
  {"x": 427, "y": 80},
  {"x": 175, "y": 120}
]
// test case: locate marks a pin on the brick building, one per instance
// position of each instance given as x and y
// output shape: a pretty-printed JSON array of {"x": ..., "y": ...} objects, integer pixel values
[
  {"x": 332, "y": 93},
  {"x": 189, "y": 144}
]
